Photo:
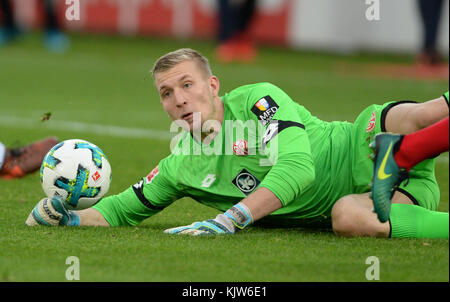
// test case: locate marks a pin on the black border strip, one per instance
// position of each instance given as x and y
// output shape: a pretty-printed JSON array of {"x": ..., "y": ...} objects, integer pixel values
[{"x": 273, "y": 290}]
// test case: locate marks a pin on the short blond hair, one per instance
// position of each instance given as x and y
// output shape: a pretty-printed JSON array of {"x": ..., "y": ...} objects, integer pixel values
[{"x": 173, "y": 58}]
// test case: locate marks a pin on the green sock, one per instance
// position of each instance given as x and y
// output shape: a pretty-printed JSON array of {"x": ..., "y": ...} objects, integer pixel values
[{"x": 416, "y": 222}]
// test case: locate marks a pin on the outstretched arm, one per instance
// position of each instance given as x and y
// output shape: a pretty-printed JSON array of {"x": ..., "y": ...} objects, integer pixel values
[{"x": 138, "y": 202}]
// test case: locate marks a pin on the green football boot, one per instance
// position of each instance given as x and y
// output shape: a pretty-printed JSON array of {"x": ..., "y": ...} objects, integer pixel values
[{"x": 387, "y": 175}]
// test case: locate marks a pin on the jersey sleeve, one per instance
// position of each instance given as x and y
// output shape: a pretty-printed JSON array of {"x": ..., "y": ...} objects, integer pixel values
[
  {"x": 140, "y": 201},
  {"x": 286, "y": 140},
  {"x": 159, "y": 188}
]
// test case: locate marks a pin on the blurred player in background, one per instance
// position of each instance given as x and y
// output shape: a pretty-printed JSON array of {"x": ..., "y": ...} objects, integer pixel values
[
  {"x": 54, "y": 39},
  {"x": 18, "y": 162},
  {"x": 398, "y": 154},
  {"x": 430, "y": 12},
  {"x": 235, "y": 17},
  {"x": 299, "y": 171}
]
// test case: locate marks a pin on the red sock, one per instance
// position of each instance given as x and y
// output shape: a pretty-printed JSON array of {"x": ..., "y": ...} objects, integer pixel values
[{"x": 425, "y": 143}]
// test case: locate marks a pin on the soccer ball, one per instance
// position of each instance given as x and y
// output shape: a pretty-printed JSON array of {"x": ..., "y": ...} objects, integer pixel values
[{"x": 77, "y": 171}]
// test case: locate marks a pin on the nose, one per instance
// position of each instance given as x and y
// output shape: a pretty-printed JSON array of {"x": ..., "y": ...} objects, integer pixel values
[{"x": 180, "y": 100}]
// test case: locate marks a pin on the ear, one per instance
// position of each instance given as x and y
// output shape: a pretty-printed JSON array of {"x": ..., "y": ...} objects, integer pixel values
[{"x": 214, "y": 85}]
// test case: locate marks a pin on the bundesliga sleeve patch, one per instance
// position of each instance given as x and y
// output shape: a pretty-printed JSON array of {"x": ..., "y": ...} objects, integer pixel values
[
  {"x": 153, "y": 173},
  {"x": 265, "y": 108}
]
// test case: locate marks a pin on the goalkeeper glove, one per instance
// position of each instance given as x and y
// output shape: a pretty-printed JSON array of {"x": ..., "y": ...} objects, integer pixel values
[
  {"x": 236, "y": 218},
  {"x": 52, "y": 212}
]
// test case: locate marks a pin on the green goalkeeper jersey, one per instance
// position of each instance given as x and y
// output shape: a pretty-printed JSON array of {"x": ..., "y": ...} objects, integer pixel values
[{"x": 265, "y": 140}]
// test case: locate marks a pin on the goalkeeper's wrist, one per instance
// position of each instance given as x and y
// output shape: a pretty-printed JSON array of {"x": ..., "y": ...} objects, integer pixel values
[{"x": 239, "y": 215}]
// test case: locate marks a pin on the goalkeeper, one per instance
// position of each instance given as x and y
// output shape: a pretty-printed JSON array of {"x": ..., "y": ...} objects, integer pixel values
[{"x": 278, "y": 165}]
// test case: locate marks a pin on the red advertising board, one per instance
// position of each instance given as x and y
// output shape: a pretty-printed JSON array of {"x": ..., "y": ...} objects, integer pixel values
[{"x": 187, "y": 18}]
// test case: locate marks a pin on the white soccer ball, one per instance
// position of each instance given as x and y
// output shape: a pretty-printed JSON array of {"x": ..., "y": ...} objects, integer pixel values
[{"x": 78, "y": 171}]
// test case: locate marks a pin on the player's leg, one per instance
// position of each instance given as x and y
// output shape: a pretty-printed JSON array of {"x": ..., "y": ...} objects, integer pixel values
[
  {"x": 20, "y": 161},
  {"x": 8, "y": 28},
  {"x": 421, "y": 190},
  {"x": 410, "y": 152},
  {"x": 408, "y": 117},
  {"x": 412, "y": 214},
  {"x": 2, "y": 154},
  {"x": 353, "y": 216},
  {"x": 54, "y": 39},
  {"x": 396, "y": 154}
]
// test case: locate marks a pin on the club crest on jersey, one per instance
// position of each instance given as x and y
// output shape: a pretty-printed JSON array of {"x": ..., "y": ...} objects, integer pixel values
[
  {"x": 372, "y": 121},
  {"x": 265, "y": 108},
  {"x": 246, "y": 182},
  {"x": 151, "y": 175},
  {"x": 240, "y": 147}
]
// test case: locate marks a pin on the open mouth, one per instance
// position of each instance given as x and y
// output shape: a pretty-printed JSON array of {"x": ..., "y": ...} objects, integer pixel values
[{"x": 187, "y": 116}]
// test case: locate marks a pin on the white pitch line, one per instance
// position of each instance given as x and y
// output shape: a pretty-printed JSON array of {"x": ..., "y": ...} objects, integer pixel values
[
  {"x": 110, "y": 130},
  {"x": 85, "y": 127}
]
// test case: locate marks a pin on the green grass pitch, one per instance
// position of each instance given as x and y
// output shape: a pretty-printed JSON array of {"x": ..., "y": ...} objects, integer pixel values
[{"x": 102, "y": 89}]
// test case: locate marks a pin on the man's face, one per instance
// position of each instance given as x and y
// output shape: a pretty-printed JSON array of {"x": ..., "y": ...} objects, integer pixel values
[{"x": 184, "y": 90}]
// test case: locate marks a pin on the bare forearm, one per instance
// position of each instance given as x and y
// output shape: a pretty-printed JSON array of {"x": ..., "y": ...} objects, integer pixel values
[
  {"x": 92, "y": 217},
  {"x": 261, "y": 203}
]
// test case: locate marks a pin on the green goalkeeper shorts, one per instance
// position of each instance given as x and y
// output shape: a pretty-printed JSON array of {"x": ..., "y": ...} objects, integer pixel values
[{"x": 422, "y": 187}]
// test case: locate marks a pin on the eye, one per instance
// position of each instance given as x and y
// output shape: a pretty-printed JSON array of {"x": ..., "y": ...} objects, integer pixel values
[
  {"x": 187, "y": 85},
  {"x": 166, "y": 94}
]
